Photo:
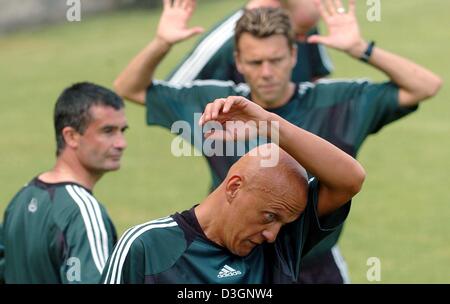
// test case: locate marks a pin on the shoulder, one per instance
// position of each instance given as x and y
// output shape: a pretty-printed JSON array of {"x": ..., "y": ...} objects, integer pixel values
[
  {"x": 73, "y": 202},
  {"x": 152, "y": 247},
  {"x": 327, "y": 91},
  {"x": 152, "y": 234},
  {"x": 23, "y": 196}
]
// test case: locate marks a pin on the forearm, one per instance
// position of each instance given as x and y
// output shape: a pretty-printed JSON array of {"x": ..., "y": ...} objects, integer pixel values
[
  {"x": 134, "y": 80},
  {"x": 334, "y": 168},
  {"x": 416, "y": 83}
]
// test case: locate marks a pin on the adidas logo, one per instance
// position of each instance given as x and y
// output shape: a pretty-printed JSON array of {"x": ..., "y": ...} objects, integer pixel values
[{"x": 227, "y": 271}]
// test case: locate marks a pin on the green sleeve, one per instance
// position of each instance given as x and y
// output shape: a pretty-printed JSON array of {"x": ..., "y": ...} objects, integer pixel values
[
  {"x": 166, "y": 103},
  {"x": 297, "y": 238},
  {"x": 361, "y": 107},
  {"x": 88, "y": 241},
  {"x": 129, "y": 271},
  {"x": 319, "y": 228},
  {"x": 377, "y": 105}
]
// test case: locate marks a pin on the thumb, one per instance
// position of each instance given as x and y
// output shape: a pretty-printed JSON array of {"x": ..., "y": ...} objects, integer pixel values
[
  {"x": 194, "y": 31},
  {"x": 317, "y": 39}
]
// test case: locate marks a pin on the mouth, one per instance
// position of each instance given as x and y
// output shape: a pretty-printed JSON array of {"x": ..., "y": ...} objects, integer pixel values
[
  {"x": 254, "y": 243},
  {"x": 116, "y": 157},
  {"x": 268, "y": 86}
]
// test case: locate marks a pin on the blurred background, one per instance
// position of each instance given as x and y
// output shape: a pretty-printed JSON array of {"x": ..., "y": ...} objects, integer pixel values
[{"x": 402, "y": 215}]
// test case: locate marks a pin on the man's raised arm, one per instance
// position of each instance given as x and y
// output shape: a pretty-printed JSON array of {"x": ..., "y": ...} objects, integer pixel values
[
  {"x": 415, "y": 82},
  {"x": 340, "y": 175},
  {"x": 133, "y": 81}
]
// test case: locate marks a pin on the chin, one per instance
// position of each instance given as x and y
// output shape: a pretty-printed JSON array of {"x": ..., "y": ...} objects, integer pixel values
[{"x": 109, "y": 167}]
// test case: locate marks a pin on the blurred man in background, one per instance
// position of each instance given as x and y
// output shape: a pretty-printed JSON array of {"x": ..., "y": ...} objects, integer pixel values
[
  {"x": 213, "y": 56},
  {"x": 54, "y": 230}
]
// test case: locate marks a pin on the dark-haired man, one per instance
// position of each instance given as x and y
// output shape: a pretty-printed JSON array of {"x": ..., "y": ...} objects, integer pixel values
[{"x": 54, "y": 229}]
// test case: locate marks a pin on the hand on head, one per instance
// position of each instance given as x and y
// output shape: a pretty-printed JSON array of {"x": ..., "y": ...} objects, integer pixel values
[{"x": 233, "y": 109}]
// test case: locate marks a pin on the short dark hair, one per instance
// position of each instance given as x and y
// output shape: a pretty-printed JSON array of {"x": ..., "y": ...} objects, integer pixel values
[
  {"x": 73, "y": 105},
  {"x": 264, "y": 22}
]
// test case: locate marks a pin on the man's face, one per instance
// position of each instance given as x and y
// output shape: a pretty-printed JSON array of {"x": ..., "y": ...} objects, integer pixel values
[
  {"x": 266, "y": 64},
  {"x": 256, "y": 217},
  {"x": 101, "y": 146}
]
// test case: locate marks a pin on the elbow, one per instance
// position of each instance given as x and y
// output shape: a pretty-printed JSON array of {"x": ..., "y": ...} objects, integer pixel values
[
  {"x": 119, "y": 88},
  {"x": 433, "y": 87},
  {"x": 437, "y": 85},
  {"x": 357, "y": 180}
]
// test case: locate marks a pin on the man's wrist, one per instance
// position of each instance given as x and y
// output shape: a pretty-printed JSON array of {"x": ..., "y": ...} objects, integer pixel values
[
  {"x": 272, "y": 125},
  {"x": 162, "y": 42},
  {"x": 358, "y": 50},
  {"x": 368, "y": 52}
]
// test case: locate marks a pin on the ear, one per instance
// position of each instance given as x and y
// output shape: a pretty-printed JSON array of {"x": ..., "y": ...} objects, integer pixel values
[
  {"x": 71, "y": 137},
  {"x": 233, "y": 185},
  {"x": 237, "y": 60}
]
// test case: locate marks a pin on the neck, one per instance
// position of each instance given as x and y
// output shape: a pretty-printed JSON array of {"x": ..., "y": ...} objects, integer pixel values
[
  {"x": 68, "y": 169},
  {"x": 209, "y": 215},
  {"x": 284, "y": 99}
]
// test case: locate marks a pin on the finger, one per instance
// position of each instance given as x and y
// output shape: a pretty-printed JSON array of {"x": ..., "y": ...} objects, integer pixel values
[
  {"x": 329, "y": 6},
  {"x": 352, "y": 7},
  {"x": 189, "y": 4},
  {"x": 167, "y": 3},
  {"x": 217, "y": 107},
  {"x": 177, "y": 3},
  {"x": 323, "y": 12},
  {"x": 338, "y": 4},
  {"x": 207, "y": 113},
  {"x": 194, "y": 31},
  {"x": 229, "y": 102},
  {"x": 317, "y": 39}
]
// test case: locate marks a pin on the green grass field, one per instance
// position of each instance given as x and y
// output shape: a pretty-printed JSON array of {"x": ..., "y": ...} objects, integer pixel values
[{"x": 402, "y": 216}]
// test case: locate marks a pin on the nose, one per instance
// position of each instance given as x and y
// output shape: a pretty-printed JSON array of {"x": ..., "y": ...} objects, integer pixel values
[
  {"x": 266, "y": 69},
  {"x": 270, "y": 234},
  {"x": 120, "y": 142}
]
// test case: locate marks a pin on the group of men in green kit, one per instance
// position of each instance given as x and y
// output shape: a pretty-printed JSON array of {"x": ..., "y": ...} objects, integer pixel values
[{"x": 259, "y": 224}]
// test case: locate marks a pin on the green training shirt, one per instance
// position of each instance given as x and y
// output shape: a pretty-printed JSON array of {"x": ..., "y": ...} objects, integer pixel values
[
  {"x": 344, "y": 112},
  {"x": 56, "y": 233},
  {"x": 176, "y": 250},
  {"x": 213, "y": 57}
]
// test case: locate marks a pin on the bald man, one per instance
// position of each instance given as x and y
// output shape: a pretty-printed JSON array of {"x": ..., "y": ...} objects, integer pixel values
[{"x": 260, "y": 221}]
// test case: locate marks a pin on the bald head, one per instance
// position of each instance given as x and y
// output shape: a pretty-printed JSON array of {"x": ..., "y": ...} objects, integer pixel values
[
  {"x": 254, "y": 201},
  {"x": 287, "y": 178}
]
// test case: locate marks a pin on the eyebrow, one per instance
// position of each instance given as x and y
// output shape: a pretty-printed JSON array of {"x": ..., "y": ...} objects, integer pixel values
[{"x": 115, "y": 127}]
